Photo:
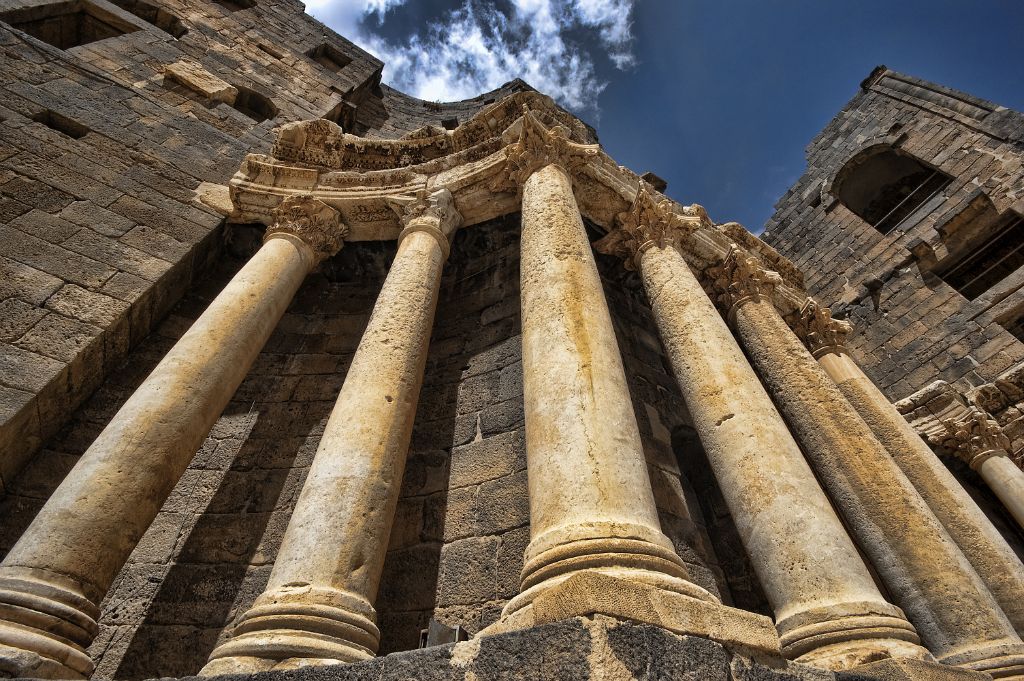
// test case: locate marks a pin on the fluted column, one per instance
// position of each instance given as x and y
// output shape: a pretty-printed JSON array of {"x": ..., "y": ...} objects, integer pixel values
[
  {"x": 595, "y": 538},
  {"x": 978, "y": 539},
  {"x": 983, "y": 445},
  {"x": 929, "y": 577},
  {"x": 317, "y": 608},
  {"x": 828, "y": 610},
  {"x": 54, "y": 578}
]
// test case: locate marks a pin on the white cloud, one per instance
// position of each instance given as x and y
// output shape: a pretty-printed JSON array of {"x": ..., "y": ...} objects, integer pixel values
[{"x": 478, "y": 46}]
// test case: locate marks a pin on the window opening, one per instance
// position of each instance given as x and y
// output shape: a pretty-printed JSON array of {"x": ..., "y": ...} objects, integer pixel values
[
  {"x": 254, "y": 105},
  {"x": 885, "y": 186},
  {"x": 68, "y": 24},
  {"x": 329, "y": 57},
  {"x": 985, "y": 266},
  {"x": 61, "y": 124},
  {"x": 159, "y": 17}
]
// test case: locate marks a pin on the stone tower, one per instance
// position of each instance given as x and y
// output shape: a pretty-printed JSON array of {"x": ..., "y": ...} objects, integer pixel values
[{"x": 308, "y": 377}]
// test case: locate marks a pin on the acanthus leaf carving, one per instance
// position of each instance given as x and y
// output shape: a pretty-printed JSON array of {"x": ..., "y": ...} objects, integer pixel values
[
  {"x": 435, "y": 208},
  {"x": 975, "y": 436},
  {"x": 650, "y": 222},
  {"x": 814, "y": 325},
  {"x": 539, "y": 146},
  {"x": 314, "y": 222},
  {"x": 740, "y": 277}
]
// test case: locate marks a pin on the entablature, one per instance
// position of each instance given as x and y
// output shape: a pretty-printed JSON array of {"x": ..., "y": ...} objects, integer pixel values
[{"x": 360, "y": 178}]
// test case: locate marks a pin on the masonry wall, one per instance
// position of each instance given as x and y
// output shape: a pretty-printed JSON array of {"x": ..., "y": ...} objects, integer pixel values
[
  {"x": 102, "y": 158},
  {"x": 463, "y": 519},
  {"x": 911, "y": 328}
]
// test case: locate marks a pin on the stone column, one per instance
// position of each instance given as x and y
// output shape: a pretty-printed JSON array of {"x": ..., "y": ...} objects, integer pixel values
[
  {"x": 317, "y": 608},
  {"x": 596, "y": 544},
  {"x": 927, "y": 574},
  {"x": 828, "y": 609},
  {"x": 996, "y": 563},
  {"x": 983, "y": 445},
  {"x": 54, "y": 578}
]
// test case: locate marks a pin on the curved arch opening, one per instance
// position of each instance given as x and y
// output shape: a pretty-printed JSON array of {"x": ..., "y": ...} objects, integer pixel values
[{"x": 885, "y": 186}]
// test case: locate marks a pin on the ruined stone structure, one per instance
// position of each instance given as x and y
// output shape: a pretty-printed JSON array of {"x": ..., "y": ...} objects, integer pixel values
[
  {"x": 908, "y": 223},
  {"x": 307, "y": 377}
]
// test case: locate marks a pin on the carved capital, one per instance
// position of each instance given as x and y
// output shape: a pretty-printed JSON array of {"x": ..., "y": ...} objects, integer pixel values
[
  {"x": 650, "y": 222},
  {"x": 738, "y": 279},
  {"x": 975, "y": 436},
  {"x": 539, "y": 146},
  {"x": 814, "y": 325},
  {"x": 438, "y": 208},
  {"x": 423, "y": 212},
  {"x": 312, "y": 221}
]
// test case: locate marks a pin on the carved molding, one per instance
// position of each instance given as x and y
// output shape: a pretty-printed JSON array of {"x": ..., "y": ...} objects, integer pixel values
[
  {"x": 814, "y": 325},
  {"x": 433, "y": 212},
  {"x": 314, "y": 222},
  {"x": 650, "y": 221},
  {"x": 975, "y": 436},
  {"x": 738, "y": 279},
  {"x": 539, "y": 146}
]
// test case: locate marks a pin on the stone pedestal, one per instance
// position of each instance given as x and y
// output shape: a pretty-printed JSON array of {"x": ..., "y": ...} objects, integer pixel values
[
  {"x": 979, "y": 540},
  {"x": 930, "y": 579},
  {"x": 317, "y": 608},
  {"x": 828, "y": 610},
  {"x": 56, "y": 575}
]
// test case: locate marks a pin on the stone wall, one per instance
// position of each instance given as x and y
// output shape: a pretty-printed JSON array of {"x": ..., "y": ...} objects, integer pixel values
[
  {"x": 103, "y": 147},
  {"x": 462, "y": 523},
  {"x": 912, "y": 328}
]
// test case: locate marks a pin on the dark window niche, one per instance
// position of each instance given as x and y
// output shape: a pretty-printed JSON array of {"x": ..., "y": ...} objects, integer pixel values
[
  {"x": 158, "y": 16},
  {"x": 68, "y": 24},
  {"x": 994, "y": 257},
  {"x": 450, "y": 123},
  {"x": 330, "y": 57},
  {"x": 343, "y": 113},
  {"x": 61, "y": 124},
  {"x": 885, "y": 186},
  {"x": 236, "y": 5},
  {"x": 1015, "y": 325},
  {"x": 254, "y": 105}
]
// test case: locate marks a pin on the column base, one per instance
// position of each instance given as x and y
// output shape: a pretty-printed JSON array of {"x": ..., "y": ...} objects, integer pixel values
[
  {"x": 1000, "y": 660},
  {"x": 46, "y": 623},
  {"x": 590, "y": 592},
  {"x": 846, "y": 635},
  {"x": 911, "y": 670},
  {"x": 298, "y": 626}
]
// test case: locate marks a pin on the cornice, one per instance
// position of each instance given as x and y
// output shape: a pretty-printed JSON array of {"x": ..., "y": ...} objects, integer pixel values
[{"x": 348, "y": 173}]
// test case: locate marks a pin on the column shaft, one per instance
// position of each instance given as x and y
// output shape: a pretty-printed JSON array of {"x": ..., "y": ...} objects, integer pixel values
[
  {"x": 55, "y": 576},
  {"x": 993, "y": 559},
  {"x": 828, "y": 609},
  {"x": 1007, "y": 481},
  {"x": 318, "y": 605},
  {"x": 954, "y": 613},
  {"x": 591, "y": 503}
]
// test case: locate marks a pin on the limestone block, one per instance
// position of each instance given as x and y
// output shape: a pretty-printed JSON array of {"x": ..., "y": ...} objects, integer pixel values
[
  {"x": 195, "y": 77},
  {"x": 909, "y": 670}
]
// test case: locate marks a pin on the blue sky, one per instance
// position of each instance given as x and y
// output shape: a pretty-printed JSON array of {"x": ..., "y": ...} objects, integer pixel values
[{"x": 719, "y": 97}]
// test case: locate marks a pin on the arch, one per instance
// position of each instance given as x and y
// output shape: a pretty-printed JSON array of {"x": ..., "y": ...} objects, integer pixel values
[
  {"x": 885, "y": 185},
  {"x": 256, "y": 106}
]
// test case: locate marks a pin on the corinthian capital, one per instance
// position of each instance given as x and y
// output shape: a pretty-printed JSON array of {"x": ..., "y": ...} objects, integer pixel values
[
  {"x": 740, "y": 278},
  {"x": 434, "y": 213},
  {"x": 312, "y": 221},
  {"x": 975, "y": 436},
  {"x": 814, "y": 325},
  {"x": 539, "y": 146},
  {"x": 650, "y": 222}
]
